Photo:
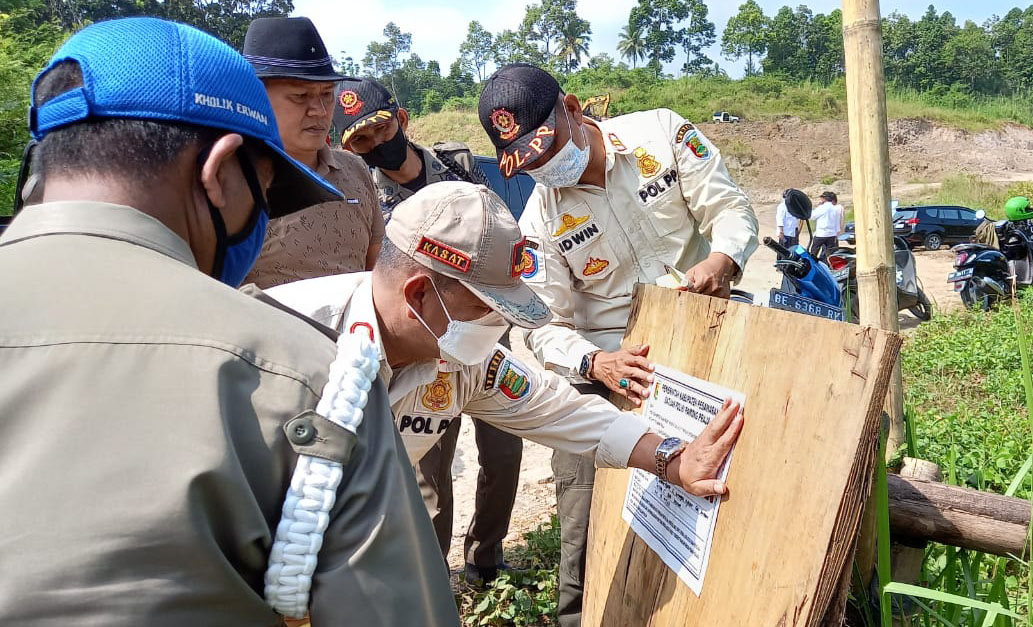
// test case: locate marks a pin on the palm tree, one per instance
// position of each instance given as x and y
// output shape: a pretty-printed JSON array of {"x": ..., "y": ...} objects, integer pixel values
[
  {"x": 631, "y": 45},
  {"x": 573, "y": 39}
]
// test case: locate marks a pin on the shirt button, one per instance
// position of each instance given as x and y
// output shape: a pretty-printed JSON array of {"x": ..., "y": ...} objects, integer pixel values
[{"x": 301, "y": 431}]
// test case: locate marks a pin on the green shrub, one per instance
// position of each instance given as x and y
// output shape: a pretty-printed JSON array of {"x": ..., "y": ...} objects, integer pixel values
[
  {"x": 963, "y": 381},
  {"x": 515, "y": 598}
]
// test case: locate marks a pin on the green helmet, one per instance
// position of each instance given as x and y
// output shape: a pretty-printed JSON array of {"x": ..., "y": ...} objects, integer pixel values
[{"x": 1018, "y": 208}]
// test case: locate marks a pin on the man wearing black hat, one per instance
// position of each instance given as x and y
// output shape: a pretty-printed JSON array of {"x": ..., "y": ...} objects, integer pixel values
[
  {"x": 373, "y": 126},
  {"x": 332, "y": 238},
  {"x": 617, "y": 202}
]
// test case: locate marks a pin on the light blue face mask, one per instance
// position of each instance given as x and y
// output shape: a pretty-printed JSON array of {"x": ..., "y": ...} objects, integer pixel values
[{"x": 566, "y": 166}]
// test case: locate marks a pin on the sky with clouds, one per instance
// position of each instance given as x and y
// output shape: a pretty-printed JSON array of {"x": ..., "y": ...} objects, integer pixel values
[{"x": 439, "y": 27}]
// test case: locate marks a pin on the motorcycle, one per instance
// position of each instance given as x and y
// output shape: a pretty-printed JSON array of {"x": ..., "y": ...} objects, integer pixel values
[
  {"x": 843, "y": 262},
  {"x": 808, "y": 285},
  {"x": 983, "y": 275}
]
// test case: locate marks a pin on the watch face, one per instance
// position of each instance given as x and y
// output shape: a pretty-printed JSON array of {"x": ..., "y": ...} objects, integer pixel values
[
  {"x": 583, "y": 370},
  {"x": 668, "y": 446}
]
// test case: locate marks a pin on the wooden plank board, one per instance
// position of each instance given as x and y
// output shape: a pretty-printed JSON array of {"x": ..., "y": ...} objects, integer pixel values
[{"x": 798, "y": 481}]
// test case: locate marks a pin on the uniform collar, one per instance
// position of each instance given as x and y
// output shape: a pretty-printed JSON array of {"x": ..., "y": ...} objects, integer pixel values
[
  {"x": 326, "y": 161},
  {"x": 98, "y": 219},
  {"x": 608, "y": 148},
  {"x": 361, "y": 317}
]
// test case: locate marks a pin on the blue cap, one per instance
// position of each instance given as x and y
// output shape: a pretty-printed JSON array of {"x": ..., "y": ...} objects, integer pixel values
[{"x": 151, "y": 69}]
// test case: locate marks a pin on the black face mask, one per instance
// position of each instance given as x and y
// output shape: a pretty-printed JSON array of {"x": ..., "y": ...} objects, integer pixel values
[{"x": 390, "y": 155}]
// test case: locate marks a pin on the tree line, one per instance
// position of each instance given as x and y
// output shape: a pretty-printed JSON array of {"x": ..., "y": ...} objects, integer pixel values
[{"x": 933, "y": 53}]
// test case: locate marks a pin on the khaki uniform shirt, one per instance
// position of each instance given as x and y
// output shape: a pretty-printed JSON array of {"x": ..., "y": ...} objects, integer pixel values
[
  {"x": 143, "y": 462},
  {"x": 668, "y": 200},
  {"x": 329, "y": 238},
  {"x": 518, "y": 398},
  {"x": 392, "y": 193}
]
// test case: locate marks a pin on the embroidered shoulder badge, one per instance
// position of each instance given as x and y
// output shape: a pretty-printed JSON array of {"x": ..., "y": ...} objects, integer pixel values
[
  {"x": 493, "y": 369},
  {"x": 532, "y": 262},
  {"x": 696, "y": 145},
  {"x": 617, "y": 143},
  {"x": 350, "y": 102},
  {"x": 648, "y": 166},
  {"x": 513, "y": 381},
  {"x": 682, "y": 131},
  {"x": 444, "y": 253}
]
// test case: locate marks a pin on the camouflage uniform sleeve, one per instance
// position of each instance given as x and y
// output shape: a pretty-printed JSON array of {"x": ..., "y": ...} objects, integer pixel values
[{"x": 463, "y": 156}]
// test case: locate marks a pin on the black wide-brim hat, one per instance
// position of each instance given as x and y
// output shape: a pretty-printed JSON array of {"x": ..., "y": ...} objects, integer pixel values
[{"x": 288, "y": 47}]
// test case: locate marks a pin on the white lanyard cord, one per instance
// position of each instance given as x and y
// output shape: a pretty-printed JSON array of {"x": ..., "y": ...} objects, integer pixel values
[{"x": 313, "y": 487}]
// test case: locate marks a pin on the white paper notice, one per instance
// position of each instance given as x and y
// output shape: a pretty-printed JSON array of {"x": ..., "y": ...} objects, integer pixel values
[{"x": 679, "y": 527}]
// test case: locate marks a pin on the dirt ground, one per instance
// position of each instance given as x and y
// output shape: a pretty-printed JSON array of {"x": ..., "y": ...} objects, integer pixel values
[{"x": 766, "y": 158}]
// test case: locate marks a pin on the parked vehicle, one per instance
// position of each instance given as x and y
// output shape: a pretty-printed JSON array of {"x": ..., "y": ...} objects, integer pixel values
[
  {"x": 514, "y": 191},
  {"x": 843, "y": 263},
  {"x": 983, "y": 274},
  {"x": 934, "y": 226},
  {"x": 847, "y": 236},
  {"x": 724, "y": 116}
]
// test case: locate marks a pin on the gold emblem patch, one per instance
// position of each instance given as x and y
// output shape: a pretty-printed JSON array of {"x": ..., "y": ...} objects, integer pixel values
[
  {"x": 505, "y": 124},
  {"x": 569, "y": 223},
  {"x": 438, "y": 396},
  {"x": 647, "y": 163},
  {"x": 350, "y": 102},
  {"x": 595, "y": 266}
]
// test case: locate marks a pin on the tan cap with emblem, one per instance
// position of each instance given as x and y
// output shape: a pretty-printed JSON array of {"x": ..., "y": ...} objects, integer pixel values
[{"x": 465, "y": 231}]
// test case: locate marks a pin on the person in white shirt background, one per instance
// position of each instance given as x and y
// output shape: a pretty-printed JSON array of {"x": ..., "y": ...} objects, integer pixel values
[
  {"x": 787, "y": 224},
  {"x": 828, "y": 224}
]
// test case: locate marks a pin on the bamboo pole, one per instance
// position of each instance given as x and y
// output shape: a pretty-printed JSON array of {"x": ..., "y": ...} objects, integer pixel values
[{"x": 870, "y": 170}]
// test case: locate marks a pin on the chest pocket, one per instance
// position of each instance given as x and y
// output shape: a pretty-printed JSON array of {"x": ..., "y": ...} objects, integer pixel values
[
  {"x": 659, "y": 196},
  {"x": 581, "y": 239}
]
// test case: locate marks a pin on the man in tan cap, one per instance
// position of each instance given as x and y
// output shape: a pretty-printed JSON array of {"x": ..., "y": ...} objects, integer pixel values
[
  {"x": 445, "y": 288},
  {"x": 373, "y": 125}
]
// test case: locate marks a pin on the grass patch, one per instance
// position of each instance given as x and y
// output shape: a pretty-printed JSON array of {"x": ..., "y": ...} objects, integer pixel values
[
  {"x": 963, "y": 381},
  {"x": 975, "y": 192},
  {"x": 459, "y": 125},
  {"x": 520, "y": 599},
  {"x": 967, "y": 381}
]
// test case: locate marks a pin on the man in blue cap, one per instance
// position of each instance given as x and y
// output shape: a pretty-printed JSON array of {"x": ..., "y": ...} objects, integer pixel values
[{"x": 151, "y": 413}]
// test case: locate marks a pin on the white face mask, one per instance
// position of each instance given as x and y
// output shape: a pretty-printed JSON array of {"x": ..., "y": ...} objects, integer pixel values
[
  {"x": 566, "y": 166},
  {"x": 467, "y": 343}
]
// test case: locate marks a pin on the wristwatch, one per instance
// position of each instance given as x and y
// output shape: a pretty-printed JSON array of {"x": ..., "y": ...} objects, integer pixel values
[
  {"x": 666, "y": 451},
  {"x": 586, "y": 364}
]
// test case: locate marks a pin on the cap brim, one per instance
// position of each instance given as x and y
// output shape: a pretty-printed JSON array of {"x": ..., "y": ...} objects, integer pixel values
[
  {"x": 526, "y": 149},
  {"x": 295, "y": 186},
  {"x": 318, "y": 78},
  {"x": 364, "y": 120},
  {"x": 519, "y": 305}
]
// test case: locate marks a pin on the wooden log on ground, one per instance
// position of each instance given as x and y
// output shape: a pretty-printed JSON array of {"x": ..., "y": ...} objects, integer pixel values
[{"x": 969, "y": 519}]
